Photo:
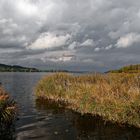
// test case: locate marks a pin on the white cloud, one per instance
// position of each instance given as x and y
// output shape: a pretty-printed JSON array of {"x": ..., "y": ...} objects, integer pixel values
[
  {"x": 88, "y": 42},
  {"x": 73, "y": 45},
  {"x": 65, "y": 58},
  {"x": 26, "y": 8},
  {"x": 60, "y": 58},
  {"x": 49, "y": 41},
  {"x": 128, "y": 40},
  {"x": 97, "y": 49},
  {"x": 108, "y": 47}
]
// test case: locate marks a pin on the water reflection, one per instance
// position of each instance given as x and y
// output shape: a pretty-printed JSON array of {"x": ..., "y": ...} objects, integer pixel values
[
  {"x": 9, "y": 133},
  {"x": 87, "y": 127}
]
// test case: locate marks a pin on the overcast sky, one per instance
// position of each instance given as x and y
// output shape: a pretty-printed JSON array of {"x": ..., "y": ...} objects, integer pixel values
[{"x": 70, "y": 34}]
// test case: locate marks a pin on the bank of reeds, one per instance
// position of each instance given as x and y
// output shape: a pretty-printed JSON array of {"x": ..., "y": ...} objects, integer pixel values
[{"x": 114, "y": 97}]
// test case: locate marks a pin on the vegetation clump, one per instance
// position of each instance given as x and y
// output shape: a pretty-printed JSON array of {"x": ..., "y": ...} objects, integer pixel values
[
  {"x": 128, "y": 69},
  {"x": 8, "y": 110},
  {"x": 114, "y": 97}
]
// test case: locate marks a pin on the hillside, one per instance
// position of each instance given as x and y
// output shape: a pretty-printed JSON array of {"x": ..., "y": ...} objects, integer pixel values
[
  {"x": 128, "y": 69},
  {"x": 16, "y": 68}
]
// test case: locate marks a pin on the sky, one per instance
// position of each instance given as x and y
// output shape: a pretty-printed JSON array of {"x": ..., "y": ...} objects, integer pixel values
[{"x": 81, "y": 35}]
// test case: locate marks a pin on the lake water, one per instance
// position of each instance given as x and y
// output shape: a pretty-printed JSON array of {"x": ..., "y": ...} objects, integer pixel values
[{"x": 49, "y": 122}]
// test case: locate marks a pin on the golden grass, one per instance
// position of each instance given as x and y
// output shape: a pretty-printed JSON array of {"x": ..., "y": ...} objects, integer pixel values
[{"x": 115, "y": 97}]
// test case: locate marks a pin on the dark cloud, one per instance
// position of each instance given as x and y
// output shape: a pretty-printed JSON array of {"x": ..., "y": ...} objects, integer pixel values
[{"x": 69, "y": 34}]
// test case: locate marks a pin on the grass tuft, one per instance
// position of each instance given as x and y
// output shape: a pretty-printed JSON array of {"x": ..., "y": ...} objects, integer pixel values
[{"x": 7, "y": 107}]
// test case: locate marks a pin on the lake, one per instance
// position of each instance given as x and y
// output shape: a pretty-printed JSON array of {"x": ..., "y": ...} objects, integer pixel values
[{"x": 47, "y": 121}]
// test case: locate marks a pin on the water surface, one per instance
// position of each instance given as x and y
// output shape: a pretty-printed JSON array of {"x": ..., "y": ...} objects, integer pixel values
[{"x": 49, "y": 122}]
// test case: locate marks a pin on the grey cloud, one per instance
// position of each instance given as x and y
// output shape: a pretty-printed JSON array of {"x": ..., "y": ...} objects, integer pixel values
[{"x": 102, "y": 34}]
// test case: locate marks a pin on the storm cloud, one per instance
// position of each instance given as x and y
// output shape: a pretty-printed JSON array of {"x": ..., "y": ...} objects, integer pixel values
[{"x": 70, "y": 34}]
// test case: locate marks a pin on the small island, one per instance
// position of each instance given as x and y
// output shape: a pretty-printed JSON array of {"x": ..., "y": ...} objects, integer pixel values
[{"x": 114, "y": 96}]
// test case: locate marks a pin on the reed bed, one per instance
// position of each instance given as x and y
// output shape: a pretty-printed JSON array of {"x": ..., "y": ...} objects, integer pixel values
[{"x": 114, "y": 96}]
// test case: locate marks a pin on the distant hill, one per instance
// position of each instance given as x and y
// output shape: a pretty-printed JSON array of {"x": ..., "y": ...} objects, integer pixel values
[
  {"x": 127, "y": 69},
  {"x": 16, "y": 68}
]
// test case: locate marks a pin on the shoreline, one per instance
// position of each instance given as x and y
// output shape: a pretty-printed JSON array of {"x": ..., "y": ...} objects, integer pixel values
[{"x": 62, "y": 105}]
